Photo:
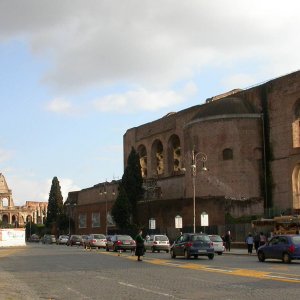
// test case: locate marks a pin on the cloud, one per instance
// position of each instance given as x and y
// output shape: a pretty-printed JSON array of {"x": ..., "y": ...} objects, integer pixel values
[
  {"x": 59, "y": 105},
  {"x": 30, "y": 189},
  {"x": 149, "y": 43},
  {"x": 5, "y": 155},
  {"x": 138, "y": 100}
]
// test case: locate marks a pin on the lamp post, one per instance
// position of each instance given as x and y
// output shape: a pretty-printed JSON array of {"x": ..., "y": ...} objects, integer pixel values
[
  {"x": 70, "y": 206},
  {"x": 195, "y": 158},
  {"x": 104, "y": 192}
]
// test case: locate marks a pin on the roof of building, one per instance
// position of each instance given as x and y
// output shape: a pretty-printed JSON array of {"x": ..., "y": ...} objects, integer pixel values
[{"x": 226, "y": 106}]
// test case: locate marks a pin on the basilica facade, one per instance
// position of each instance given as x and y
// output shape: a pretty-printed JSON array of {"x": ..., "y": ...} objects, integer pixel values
[{"x": 236, "y": 154}]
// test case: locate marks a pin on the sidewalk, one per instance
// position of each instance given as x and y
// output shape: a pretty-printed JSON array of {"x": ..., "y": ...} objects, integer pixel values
[{"x": 239, "y": 251}]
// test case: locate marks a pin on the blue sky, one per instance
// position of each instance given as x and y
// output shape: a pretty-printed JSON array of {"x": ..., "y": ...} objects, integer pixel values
[{"x": 74, "y": 77}]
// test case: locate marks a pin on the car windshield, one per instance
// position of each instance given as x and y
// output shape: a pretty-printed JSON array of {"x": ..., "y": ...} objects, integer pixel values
[
  {"x": 99, "y": 236},
  {"x": 204, "y": 238},
  {"x": 124, "y": 237},
  {"x": 161, "y": 238},
  {"x": 296, "y": 240},
  {"x": 216, "y": 238}
]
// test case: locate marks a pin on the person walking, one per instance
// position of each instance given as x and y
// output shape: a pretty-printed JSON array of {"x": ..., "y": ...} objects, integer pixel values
[
  {"x": 249, "y": 242},
  {"x": 227, "y": 239},
  {"x": 139, "y": 248},
  {"x": 262, "y": 239},
  {"x": 256, "y": 241}
]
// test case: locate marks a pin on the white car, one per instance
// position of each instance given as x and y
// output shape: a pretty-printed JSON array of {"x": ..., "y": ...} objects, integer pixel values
[
  {"x": 157, "y": 242},
  {"x": 62, "y": 240},
  {"x": 218, "y": 243}
]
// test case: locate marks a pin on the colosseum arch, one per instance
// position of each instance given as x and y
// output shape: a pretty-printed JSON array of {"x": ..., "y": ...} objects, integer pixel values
[
  {"x": 296, "y": 186},
  {"x": 157, "y": 159},
  {"x": 174, "y": 155},
  {"x": 142, "y": 151}
]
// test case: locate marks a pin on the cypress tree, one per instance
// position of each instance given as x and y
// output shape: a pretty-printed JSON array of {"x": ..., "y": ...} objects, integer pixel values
[
  {"x": 132, "y": 182},
  {"x": 55, "y": 203},
  {"x": 121, "y": 209}
]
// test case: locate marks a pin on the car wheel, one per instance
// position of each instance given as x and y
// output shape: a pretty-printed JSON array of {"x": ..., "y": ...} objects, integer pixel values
[
  {"x": 167, "y": 251},
  {"x": 196, "y": 256},
  {"x": 286, "y": 258},
  {"x": 220, "y": 253},
  {"x": 172, "y": 254},
  {"x": 107, "y": 249},
  {"x": 211, "y": 256},
  {"x": 261, "y": 256},
  {"x": 158, "y": 251},
  {"x": 152, "y": 249},
  {"x": 187, "y": 254}
]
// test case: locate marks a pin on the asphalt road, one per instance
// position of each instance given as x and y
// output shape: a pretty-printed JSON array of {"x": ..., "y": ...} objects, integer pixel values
[{"x": 40, "y": 271}]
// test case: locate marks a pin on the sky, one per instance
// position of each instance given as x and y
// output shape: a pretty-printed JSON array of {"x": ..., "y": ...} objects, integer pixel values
[{"x": 76, "y": 74}]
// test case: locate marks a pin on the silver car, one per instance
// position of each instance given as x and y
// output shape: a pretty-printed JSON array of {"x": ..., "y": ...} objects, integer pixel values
[
  {"x": 157, "y": 242},
  {"x": 62, "y": 240},
  {"x": 218, "y": 243},
  {"x": 95, "y": 241}
]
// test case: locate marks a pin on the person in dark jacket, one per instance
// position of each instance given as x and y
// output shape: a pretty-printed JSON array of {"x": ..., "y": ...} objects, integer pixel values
[{"x": 139, "y": 248}]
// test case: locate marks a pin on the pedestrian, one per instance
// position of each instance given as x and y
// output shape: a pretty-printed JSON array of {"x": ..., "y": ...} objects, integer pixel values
[
  {"x": 139, "y": 248},
  {"x": 227, "y": 239},
  {"x": 249, "y": 242},
  {"x": 262, "y": 239},
  {"x": 256, "y": 241}
]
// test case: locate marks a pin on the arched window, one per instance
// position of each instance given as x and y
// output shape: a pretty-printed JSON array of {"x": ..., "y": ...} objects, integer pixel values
[
  {"x": 296, "y": 186},
  {"x": 174, "y": 155},
  {"x": 227, "y": 154},
  {"x": 157, "y": 159},
  {"x": 296, "y": 125},
  {"x": 142, "y": 151}
]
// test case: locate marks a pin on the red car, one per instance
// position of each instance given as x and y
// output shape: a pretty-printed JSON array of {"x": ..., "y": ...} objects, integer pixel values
[{"x": 120, "y": 242}]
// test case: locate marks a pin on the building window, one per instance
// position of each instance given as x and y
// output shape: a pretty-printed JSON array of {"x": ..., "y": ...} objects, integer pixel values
[
  {"x": 227, "y": 154},
  {"x": 296, "y": 134},
  {"x": 82, "y": 220},
  {"x": 95, "y": 220}
]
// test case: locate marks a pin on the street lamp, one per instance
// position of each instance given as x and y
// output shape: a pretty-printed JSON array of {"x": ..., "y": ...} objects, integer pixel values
[
  {"x": 195, "y": 158},
  {"x": 70, "y": 205},
  {"x": 105, "y": 198}
]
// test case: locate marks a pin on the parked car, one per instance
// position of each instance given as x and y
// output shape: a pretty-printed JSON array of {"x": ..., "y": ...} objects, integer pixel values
[
  {"x": 157, "y": 242},
  {"x": 284, "y": 247},
  {"x": 192, "y": 244},
  {"x": 120, "y": 242},
  {"x": 34, "y": 238},
  {"x": 218, "y": 243},
  {"x": 95, "y": 241},
  {"x": 48, "y": 239},
  {"x": 75, "y": 240},
  {"x": 62, "y": 240}
]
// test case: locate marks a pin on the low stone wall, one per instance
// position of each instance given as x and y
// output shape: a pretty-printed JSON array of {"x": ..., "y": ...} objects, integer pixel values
[{"x": 12, "y": 237}]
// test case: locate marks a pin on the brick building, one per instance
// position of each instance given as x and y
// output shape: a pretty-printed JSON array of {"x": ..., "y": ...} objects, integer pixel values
[{"x": 249, "y": 142}]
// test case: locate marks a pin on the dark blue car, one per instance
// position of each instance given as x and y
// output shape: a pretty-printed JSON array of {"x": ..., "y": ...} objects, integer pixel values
[
  {"x": 192, "y": 244},
  {"x": 285, "y": 247}
]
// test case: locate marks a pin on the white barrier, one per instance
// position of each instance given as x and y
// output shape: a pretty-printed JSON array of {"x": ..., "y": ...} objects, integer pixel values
[{"x": 12, "y": 237}]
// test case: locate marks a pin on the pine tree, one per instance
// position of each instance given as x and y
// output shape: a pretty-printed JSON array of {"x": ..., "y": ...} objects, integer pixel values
[
  {"x": 132, "y": 182},
  {"x": 121, "y": 209},
  {"x": 55, "y": 203}
]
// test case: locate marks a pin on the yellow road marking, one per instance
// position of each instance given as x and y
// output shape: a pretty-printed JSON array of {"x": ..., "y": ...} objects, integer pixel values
[
  {"x": 9, "y": 251},
  {"x": 292, "y": 278}
]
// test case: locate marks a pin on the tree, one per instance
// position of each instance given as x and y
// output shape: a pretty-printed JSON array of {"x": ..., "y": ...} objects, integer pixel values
[
  {"x": 121, "y": 210},
  {"x": 55, "y": 203},
  {"x": 132, "y": 182}
]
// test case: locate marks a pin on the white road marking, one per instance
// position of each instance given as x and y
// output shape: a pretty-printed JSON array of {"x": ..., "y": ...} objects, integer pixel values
[
  {"x": 147, "y": 290},
  {"x": 282, "y": 277}
]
